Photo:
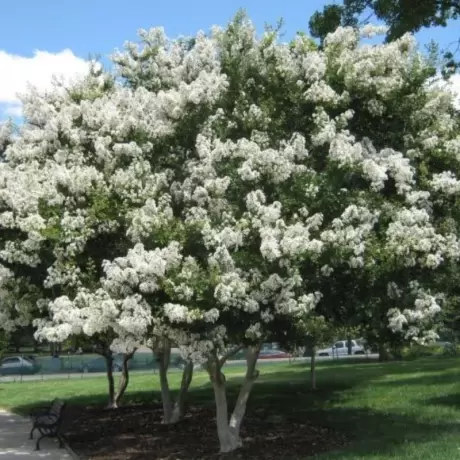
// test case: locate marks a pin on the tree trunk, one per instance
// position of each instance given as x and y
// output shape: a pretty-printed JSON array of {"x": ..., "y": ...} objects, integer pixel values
[
  {"x": 112, "y": 404},
  {"x": 179, "y": 407},
  {"x": 313, "y": 368},
  {"x": 172, "y": 413},
  {"x": 228, "y": 431},
  {"x": 349, "y": 346},
  {"x": 229, "y": 439},
  {"x": 124, "y": 378},
  {"x": 163, "y": 363},
  {"x": 383, "y": 353}
]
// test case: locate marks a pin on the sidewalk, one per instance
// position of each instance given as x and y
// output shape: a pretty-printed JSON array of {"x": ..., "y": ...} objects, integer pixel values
[{"x": 16, "y": 445}]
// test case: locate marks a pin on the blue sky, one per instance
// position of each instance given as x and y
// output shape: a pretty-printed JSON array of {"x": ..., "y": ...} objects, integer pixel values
[{"x": 98, "y": 26}]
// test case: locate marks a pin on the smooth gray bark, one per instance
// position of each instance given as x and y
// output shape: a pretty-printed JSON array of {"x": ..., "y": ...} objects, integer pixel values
[{"x": 228, "y": 429}]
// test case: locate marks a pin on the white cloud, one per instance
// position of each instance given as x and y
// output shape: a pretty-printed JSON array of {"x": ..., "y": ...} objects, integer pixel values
[{"x": 19, "y": 71}]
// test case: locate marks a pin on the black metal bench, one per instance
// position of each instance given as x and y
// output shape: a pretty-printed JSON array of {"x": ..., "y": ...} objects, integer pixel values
[{"x": 47, "y": 420}]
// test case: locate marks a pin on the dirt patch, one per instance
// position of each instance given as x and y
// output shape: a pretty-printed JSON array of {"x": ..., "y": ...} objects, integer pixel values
[{"x": 136, "y": 433}]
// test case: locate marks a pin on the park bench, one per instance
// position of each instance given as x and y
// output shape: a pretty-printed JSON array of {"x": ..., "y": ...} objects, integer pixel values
[{"x": 47, "y": 420}]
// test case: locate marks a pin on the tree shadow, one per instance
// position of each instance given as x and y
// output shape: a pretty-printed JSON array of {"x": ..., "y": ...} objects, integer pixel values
[
  {"x": 451, "y": 400},
  {"x": 374, "y": 441},
  {"x": 332, "y": 380},
  {"x": 286, "y": 396},
  {"x": 369, "y": 432},
  {"x": 376, "y": 433}
]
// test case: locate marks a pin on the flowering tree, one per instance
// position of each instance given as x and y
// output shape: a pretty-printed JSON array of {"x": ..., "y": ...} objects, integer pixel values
[
  {"x": 55, "y": 211},
  {"x": 230, "y": 186},
  {"x": 418, "y": 236},
  {"x": 94, "y": 315},
  {"x": 304, "y": 175},
  {"x": 142, "y": 283},
  {"x": 21, "y": 274}
]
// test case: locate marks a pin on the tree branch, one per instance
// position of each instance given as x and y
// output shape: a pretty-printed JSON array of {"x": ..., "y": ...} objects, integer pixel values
[{"x": 229, "y": 354}]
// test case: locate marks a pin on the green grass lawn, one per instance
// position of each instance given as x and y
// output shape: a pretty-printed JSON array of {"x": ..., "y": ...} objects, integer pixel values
[{"x": 405, "y": 410}]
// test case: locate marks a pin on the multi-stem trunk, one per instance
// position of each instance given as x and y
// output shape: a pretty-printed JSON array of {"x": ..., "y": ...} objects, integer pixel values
[
  {"x": 172, "y": 412},
  {"x": 178, "y": 411},
  {"x": 228, "y": 430},
  {"x": 124, "y": 379}
]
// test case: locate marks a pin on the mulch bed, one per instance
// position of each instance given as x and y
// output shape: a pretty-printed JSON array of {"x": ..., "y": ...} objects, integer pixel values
[{"x": 136, "y": 433}]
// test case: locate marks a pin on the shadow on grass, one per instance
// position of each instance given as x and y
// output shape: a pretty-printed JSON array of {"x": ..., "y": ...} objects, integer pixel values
[
  {"x": 333, "y": 378},
  {"x": 385, "y": 434},
  {"x": 451, "y": 400},
  {"x": 375, "y": 434},
  {"x": 286, "y": 395},
  {"x": 371, "y": 432}
]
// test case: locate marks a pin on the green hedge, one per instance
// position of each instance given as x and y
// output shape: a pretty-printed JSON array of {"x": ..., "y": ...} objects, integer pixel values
[{"x": 422, "y": 351}]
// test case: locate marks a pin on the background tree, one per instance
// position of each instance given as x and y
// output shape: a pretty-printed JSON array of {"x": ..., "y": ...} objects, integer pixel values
[
  {"x": 401, "y": 16},
  {"x": 309, "y": 333}
]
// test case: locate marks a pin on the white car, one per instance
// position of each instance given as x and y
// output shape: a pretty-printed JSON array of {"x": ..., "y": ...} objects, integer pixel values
[
  {"x": 17, "y": 365},
  {"x": 340, "y": 348}
]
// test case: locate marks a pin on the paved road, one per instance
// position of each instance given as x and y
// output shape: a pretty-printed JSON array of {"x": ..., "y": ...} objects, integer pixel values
[
  {"x": 15, "y": 443},
  {"x": 79, "y": 375}
]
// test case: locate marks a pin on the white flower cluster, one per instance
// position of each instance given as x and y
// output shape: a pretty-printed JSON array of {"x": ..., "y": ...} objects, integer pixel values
[
  {"x": 18, "y": 298},
  {"x": 415, "y": 322},
  {"x": 140, "y": 270},
  {"x": 446, "y": 182},
  {"x": 413, "y": 238},
  {"x": 90, "y": 313},
  {"x": 349, "y": 232},
  {"x": 6, "y": 132}
]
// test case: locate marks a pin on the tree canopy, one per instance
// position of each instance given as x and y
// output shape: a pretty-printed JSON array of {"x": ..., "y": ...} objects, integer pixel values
[{"x": 215, "y": 191}]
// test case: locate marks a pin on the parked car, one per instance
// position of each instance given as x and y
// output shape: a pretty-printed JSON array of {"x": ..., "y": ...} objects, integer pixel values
[
  {"x": 99, "y": 365},
  {"x": 340, "y": 348},
  {"x": 18, "y": 365},
  {"x": 273, "y": 354}
]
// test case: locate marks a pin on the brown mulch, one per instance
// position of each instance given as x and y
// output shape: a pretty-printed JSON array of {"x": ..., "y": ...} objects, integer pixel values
[{"x": 136, "y": 433}]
